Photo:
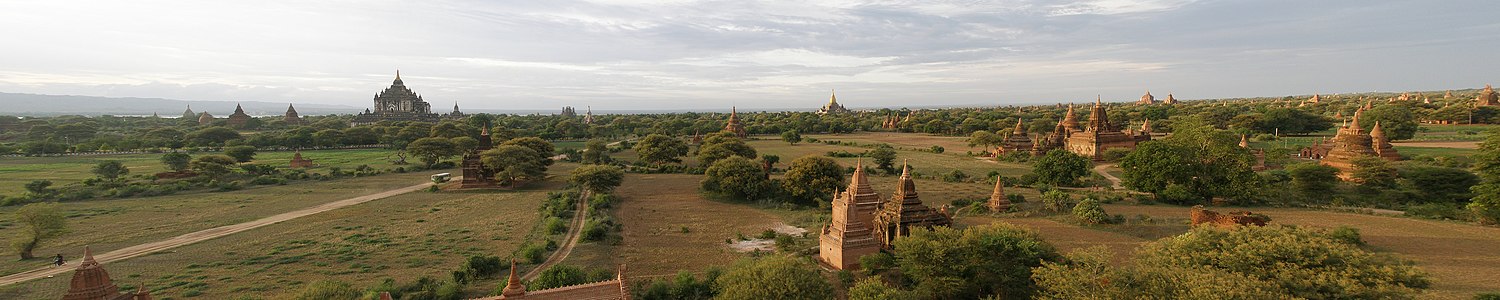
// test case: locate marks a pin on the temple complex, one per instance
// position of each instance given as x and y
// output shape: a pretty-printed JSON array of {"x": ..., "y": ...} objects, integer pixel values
[
  {"x": 833, "y": 106},
  {"x": 734, "y": 126},
  {"x": 1348, "y": 145},
  {"x": 1147, "y": 99},
  {"x": 1100, "y": 135},
  {"x": 399, "y": 103},
  {"x": 299, "y": 162},
  {"x": 474, "y": 172},
  {"x": 603, "y": 290},
  {"x": 1170, "y": 100},
  {"x": 998, "y": 202},
  {"x": 848, "y": 235},
  {"x": 890, "y": 122},
  {"x": 91, "y": 282},
  {"x": 205, "y": 118},
  {"x": 1382, "y": 145},
  {"x": 291, "y": 117},
  {"x": 588, "y": 117},
  {"x": 1487, "y": 97},
  {"x": 1017, "y": 141},
  {"x": 238, "y": 119},
  {"x": 568, "y": 112},
  {"x": 189, "y": 114},
  {"x": 903, "y": 211}
]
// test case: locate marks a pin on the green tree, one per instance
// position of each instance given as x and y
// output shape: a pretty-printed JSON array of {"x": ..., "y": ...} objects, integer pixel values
[
  {"x": 213, "y": 136},
  {"x": 431, "y": 150},
  {"x": 597, "y": 178},
  {"x": 775, "y": 277},
  {"x": 240, "y": 153},
  {"x": 1486, "y": 202},
  {"x": 984, "y": 138},
  {"x": 1060, "y": 167},
  {"x": 176, "y": 161},
  {"x": 872, "y": 288},
  {"x": 791, "y": 137},
  {"x": 1438, "y": 184},
  {"x": 1306, "y": 263},
  {"x": 810, "y": 179},
  {"x": 514, "y": 163},
  {"x": 558, "y": 276},
  {"x": 1290, "y": 121},
  {"x": 1373, "y": 172},
  {"x": 213, "y": 166},
  {"x": 1396, "y": 120},
  {"x": 596, "y": 152},
  {"x": 1089, "y": 211},
  {"x": 464, "y": 144},
  {"x": 885, "y": 158},
  {"x": 110, "y": 170},
  {"x": 544, "y": 149},
  {"x": 1204, "y": 161},
  {"x": 974, "y": 262},
  {"x": 721, "y": 146},
  {"x": 328, "y": 137},
  {"x": 39, "y": 223},
  {"x": 1314, "y": 181},
  {"x": 1088, "y": 274},
  {"x": 659, "y": 149},
  {"x": 736, "y": 178}
]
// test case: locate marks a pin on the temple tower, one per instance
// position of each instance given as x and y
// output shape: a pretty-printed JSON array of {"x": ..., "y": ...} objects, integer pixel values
[
  {"x": 1017, "y": 141},
  {"x": 1349, "y": 144},
  {"x": 848, "y": 236},
  {"x": 1382, "y": 145},
  {"x": 238, "y": 119},
  {"x": 903, "y": 211},
  {"x": 205, "y": 118},
  {"x": 291, "y": 117},
  {"x": 734, "y": 125},
  {"x": 1487, "y": 97},
  {"x": 1147, "y": 99},
  {"x": 998, "y": 202},
  {"x": 833, "y": 106},
  {"x": 1099, "y": 136},
  {"x": 91, "y": 282},
  {"x": 1170, "y": 100},
  {"x": 189, "y": 114},
  {"x": 1070, "y": 122}
]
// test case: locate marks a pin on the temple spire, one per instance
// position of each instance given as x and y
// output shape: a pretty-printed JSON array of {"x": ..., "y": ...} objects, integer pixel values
[
  {"x": 513, "y": 286},
  {"x": 1244, "y": 143},
  {"x": 832, "y": 98}
]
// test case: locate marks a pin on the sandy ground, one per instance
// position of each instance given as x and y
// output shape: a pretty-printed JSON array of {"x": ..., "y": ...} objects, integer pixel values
[{"x": 206, "y": 234}]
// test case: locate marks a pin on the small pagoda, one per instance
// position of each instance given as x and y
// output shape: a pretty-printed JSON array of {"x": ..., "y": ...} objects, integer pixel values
[
  {"x": 91, "y": 282},
  {"x": 1017, "y": 141},
  {"x": 1349, "y": 144},
  {"x": 1382, "y": 145},
  {"x": 291, "y": 117},
  {"x": 1487, "y": 97},
  {"x": 476, "y": 175},
  {"x": 205, "y": 118},
  {"x": 998, "y": 203},
  {"x": 734, "y": 125},
  {"x": 847, "y": 237},
  {"x": 298, "y": 162},
  {"x": 904, "y": 211},
  {"x": 238, "y": 119}
]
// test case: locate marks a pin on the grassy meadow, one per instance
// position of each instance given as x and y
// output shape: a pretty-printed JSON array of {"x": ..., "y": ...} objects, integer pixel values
[{"x": 15, "y": 172}]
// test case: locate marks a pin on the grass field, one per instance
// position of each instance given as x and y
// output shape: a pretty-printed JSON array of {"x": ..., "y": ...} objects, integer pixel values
[
  {"x": 655, "y": 209},
  {"x": 402, "y": 237},
  {"x": 116, "y": 223},
  {"x": 15, "y": 172}
]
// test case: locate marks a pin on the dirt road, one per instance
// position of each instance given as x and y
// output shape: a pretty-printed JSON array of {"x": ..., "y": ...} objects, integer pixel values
[
  {"x": 580, "y": 212},
  {"x": 206, "y": 234},
  {"x": 1115, "y": 181}
]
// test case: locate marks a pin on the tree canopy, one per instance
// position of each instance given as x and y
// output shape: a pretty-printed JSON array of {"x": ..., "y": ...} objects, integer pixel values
[{"x": 811, "y": 179}]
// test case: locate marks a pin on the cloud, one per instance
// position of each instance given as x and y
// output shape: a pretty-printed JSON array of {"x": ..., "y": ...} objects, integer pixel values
[{"x": 699, "y": 54}]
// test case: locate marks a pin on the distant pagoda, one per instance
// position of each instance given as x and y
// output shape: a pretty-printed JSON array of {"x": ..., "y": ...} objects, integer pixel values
[
  {"x": 205, "y": 118},
  {"x": 904, "y": 211},
  {"x": 833, "y": 106},
  {"x": 1382, "y": 145},
  {"x": 1170, "y": 100},
  {"x": 1349, "y": 144},
  {"x": 189, "y": 114},
  {"x": 1147, "y": 99},
  {"x": 734, "y": 125},
  {"x": 848, "y": 234},
  {"x": 1017, "y": 141},
  {"x": 998, "y": 202},
  {"x": 1487, "y": 97},
  {"x": 238, "y": 119},
  {"x": 1100, "y": 135},
  {"x": 291, "y": 117},
  {"x": 399, "y": 103}
]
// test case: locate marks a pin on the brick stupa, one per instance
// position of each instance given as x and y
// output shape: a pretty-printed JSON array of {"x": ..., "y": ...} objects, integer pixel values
[{"x": 904, "y": 211}]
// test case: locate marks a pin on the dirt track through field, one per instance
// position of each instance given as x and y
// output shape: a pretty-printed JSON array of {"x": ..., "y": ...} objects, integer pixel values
[
  {"x": 1115, "y": 181},
  {"x": 580, "y": 212},
  {"x": 203, "y": 235}
]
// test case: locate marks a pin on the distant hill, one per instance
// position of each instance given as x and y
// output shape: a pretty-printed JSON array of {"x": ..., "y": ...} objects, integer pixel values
[{"x": 52, "y": 105}]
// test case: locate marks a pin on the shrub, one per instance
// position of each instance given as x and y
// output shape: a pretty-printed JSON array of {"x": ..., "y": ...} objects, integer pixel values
[
  {"x": 594, "y": 230},
  {"x": 1438, "y": 211},
  {"x": 1089, "y": 211},
  {"x": 556, "y": 225},
  {"x": 533, "y": 252},
  {"x": 1348, "y": 235}
]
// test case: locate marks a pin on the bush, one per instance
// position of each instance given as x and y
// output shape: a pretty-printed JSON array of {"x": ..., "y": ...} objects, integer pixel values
[
  {"x": 1057, "y": 201},
  {"x": 1088, "y": 211},
  {"x": 955, "y": 176},
  {"x": 556, "y": 225},
  {"x": 594, "y": 230},
  {"x": 533, "y": 253},
  {"x": 1348, "y": 235},
  {"x": 1436, "y": 211}
]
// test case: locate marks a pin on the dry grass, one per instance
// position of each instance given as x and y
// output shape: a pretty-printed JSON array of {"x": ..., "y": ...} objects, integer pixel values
[
  {"x": 656, "y": 207},
  {"x": 15, "y": 172},
  {"x": 1068, "y": 237},
  {"x": 402, "y": 237},
  {"x": 1460, "y": 257},
  {"x": 111, "y": 224}
]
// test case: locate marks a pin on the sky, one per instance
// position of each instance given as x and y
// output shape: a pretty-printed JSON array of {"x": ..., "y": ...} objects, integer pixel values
[{"x": 687, "y": 54}]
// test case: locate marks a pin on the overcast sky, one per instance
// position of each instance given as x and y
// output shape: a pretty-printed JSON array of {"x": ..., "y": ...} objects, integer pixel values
[{"x": 684, "y": 54}]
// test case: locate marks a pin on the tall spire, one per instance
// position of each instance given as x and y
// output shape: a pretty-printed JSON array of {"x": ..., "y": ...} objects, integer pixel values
[
  {"x": 907, "y": 188},
  {"x": 833, "y": 98},
  {"x": 513, "y": 286},
  {"x": 1018, "y": 129},
  {"x": 1244, "y": 143},
  {"x": 998, "y": 202}
]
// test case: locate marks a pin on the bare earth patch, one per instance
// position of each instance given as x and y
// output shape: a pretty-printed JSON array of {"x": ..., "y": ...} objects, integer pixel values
[{"x": 656, "y": 208}]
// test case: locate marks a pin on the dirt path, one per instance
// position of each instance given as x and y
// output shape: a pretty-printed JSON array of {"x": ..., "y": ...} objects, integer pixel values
[
  {"x": 206, "y": 234},
  {"x": 1115, "y": 181},
  {"x": 575, "y": 231}
]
